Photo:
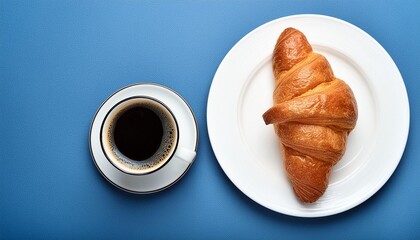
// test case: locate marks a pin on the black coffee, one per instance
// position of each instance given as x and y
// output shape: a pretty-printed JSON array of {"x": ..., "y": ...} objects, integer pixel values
[{"x": 138, "y": 133}]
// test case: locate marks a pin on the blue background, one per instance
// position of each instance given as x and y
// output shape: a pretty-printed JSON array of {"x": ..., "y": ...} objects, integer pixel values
[{"x": 59, "y": 60}]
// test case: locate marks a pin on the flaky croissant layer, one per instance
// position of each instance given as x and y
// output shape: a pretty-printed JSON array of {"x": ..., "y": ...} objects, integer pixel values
[{"x": 313, "y": 113}]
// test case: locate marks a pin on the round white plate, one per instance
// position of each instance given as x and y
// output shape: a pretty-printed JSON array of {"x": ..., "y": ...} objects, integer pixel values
[
  {"x": 248, "y": 150},
  {"x": 174, "y": 169}
]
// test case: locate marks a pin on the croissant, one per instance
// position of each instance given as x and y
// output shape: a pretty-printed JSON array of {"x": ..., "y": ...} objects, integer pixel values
[{"x": 313, "y": 114}]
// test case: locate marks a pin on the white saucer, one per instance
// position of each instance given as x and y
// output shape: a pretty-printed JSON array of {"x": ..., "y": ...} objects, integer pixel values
[{"x": 174, "y": 169}]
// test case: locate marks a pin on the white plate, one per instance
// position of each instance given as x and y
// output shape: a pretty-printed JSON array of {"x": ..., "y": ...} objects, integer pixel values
[
  {"x": 247, "y": 149},
  {"x": 174, "y": 169}
]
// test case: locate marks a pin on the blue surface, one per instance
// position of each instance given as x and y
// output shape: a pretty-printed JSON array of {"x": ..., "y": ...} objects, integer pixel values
[{"x": 60, "y": 59}]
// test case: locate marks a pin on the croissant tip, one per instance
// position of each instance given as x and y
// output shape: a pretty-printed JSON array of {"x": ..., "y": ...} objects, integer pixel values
[
  {"x": 290, "y": 29},
  {"x": 308, "y": 201},
  {"x": 307, "y": 196},
  {"x": 267, "y": 117}
]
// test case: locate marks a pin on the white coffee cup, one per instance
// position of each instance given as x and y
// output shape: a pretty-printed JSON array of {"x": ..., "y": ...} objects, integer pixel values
[{"x": 139, "y": 135}]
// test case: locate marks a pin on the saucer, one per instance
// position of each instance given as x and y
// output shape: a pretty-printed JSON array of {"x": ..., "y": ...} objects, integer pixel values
[{"x": 174, "y": 169}]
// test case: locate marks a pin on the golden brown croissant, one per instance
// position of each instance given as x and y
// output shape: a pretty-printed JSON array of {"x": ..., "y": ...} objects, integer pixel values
[{"x": 313, "y": 114}]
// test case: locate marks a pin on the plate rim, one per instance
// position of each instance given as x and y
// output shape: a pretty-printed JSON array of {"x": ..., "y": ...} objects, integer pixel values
[{"x": 400, "y": 151}]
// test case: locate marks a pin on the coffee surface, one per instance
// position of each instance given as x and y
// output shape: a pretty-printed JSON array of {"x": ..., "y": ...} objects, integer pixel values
[{"x": 138, "y": 133}]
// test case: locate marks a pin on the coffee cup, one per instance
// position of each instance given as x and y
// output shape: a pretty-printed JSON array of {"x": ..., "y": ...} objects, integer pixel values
[{"x": 139, "y": 136}]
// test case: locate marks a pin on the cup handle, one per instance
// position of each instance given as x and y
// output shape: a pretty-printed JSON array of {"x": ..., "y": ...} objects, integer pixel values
[{"x": 185, "y": 154}]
